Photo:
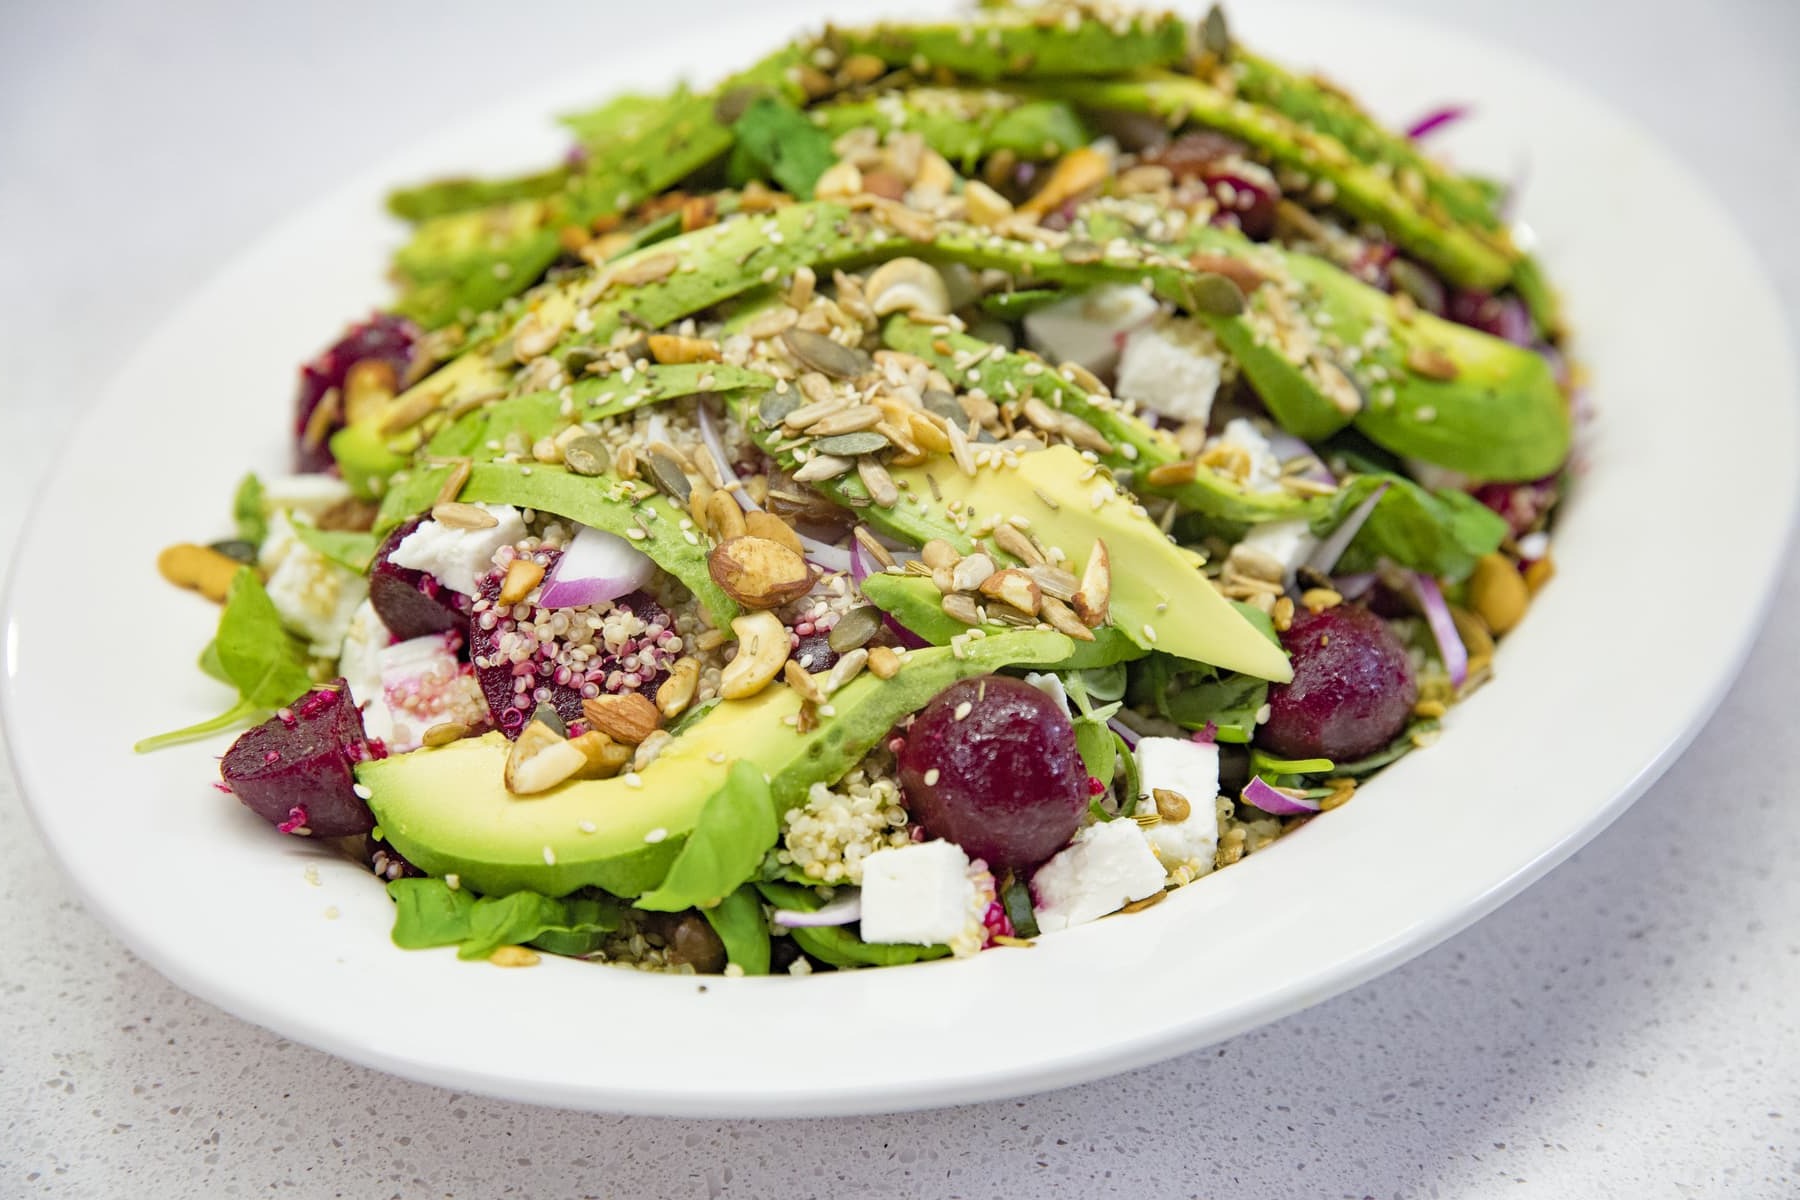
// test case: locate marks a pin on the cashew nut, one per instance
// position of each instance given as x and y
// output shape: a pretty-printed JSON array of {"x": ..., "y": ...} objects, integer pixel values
[{"x": 762, "y": 652}]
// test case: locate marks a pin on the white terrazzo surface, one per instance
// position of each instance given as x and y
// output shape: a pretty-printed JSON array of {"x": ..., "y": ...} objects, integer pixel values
[{"x": 1630, "y": 1026}]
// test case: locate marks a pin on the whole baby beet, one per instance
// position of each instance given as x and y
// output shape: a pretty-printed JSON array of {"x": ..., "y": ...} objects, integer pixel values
[
  {"x": 1352, "y": 691},
  {"x": 991, "y": 765}
]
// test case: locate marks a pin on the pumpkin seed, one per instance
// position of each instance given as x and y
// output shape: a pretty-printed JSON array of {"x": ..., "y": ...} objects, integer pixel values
[
  {"x": 587, "y": 455},
  {"x": 236, "y": 550},
  {"x": 775, "y": 406},
  {"x": 1215, "y": 295},
  {"x": 669, "y": 478},
  {"x": 580, "y": 358},
  {"x": 854, "y": 628},
  {"x": 825, "y": 356},
  {"x": 547, "y": 714},
  {"x": 944, "y": 405},
  {"x": 1215, "y": 34},
  {"x": 849, "y": 445},
  {"x": 736, "y": 101}
]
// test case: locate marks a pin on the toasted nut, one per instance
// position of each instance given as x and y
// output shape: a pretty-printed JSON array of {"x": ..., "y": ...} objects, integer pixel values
[
  {"x": 653, "y": 269},
  {"x": 1540, "y": 572},
  {"x": 1240, "y": 272},
  {"x": 626, "y": 717},
  {"x": 928, "y": 432},
  {"x": 541, "y": 759},
  {"x": 1431, "y": 362},
  {"x": 884, "y": 663},
  {"x": 845, "y": 420},
  {"x": 368, "y": 386},
  {"x": 201, "y": 568},
  {"x": 1172, "y": 474},
  {"x": 514, "y": 956},
  {"x": 457, "y": 515},
  {"x": 907, "y": 285},
  {"x": 839, "y": 182},
  {"x": 944, "y": 579},
  {"x": 1246, "y": 559},
  {"x": 1094, "y": 599},
  {"x": 605, "y": 757},
  {"x": 677, "y": 691},
  {"x": 762, "y": 652},
  {"x": 1062, "y": 618},
  {"x": 724, "y": 519},
  {"x": 986, "y": 207},
  {"x": 443, "y": 734},
  {"x": 962, "y": 608},
  {"x": 1018, "y": 543},
  {"x": 669, "y": 348},
  {"x": 1282, "y": 614},
  {"x": 1172, "y": 807},
  {"x": 1497, "y": 593},
  {"x": 758, "y": 572},
  {"x": 1075, "y": 173},
  {"x": 801, "y": 680},
  {"x": 650, "y": 749},
  {"x": 938, "y": 553},
  {"x": 971, "y": 572},
  {"x": 522, "y": 575},
  {"x": 1473, "y": 632},
  {"x": 1013, "y": 586},
  {"x": 1317, "y": 600},
  {"x": 764, "y": 524},
  {"x": 862, "y": 68}
]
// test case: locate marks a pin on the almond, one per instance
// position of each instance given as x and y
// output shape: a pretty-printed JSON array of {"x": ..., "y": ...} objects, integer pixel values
[
  {"x": 521, "y": 576},
  {"x": 1014, "y": 587},
  {"x": 763, "y": 524},
  {"x": 1095, "y": 597},
  {"x": 628, "y": 717},
  {"x": 759, "y": 573},
  {"x": 605, "y": 757}
]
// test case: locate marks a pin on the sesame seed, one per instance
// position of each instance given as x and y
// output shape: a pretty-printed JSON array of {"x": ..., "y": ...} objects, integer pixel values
[
  {"x": 633, "y": 779},
  {"x": 587, "y": 827},
  {"x": 362, "y": 791},
  {"x": 1149, "y": 632},
  {"x": 549, "y": 857},
  {"x": 453, "y": 882},
  {"x": 656, "y": 835}
]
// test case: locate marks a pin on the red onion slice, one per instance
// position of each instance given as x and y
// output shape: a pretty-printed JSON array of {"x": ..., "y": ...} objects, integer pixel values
[
  {"x": 1274, "y": 801},
  {"x": 1332, "y": 548},
  {"x": 1443, "y": 628},
  {"x": 831, "y": 558},
  {"x": 1129, "y": 735},
  {"x": 1435, "y": 120},
  {"x": 841, "y": 911},
  {"x": 595, "y": 567},
  {"x": 709, "y": 433}
]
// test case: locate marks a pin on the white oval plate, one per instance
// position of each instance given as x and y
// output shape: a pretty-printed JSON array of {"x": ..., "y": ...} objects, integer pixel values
[{"x": 1692, "y": 465}]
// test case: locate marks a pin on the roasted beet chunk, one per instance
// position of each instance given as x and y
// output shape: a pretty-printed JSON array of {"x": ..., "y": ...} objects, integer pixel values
[
  {"x": 1352, "y": 691},
  {"x": 559, "y": 656},
  {"x": 412, "y": 603},
  {"x": 991, "y": 765},
  {"x": 383, "y": 339},
  {"x": 295, "y": 769}
]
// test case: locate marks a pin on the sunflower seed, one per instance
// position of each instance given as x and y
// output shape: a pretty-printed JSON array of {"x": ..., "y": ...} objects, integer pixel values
[
  {"x": 821, "y": 467},
  {"x": 962, "y": 608},
  {"x": 849, "y": 445},
  {"x": 819, "y": 352},
  {"x": 458, "y": 515},
  {"x": 1082, "y": 253},
  {"x": 848, "y": 420},
  {"x": 879, "y": 482}
]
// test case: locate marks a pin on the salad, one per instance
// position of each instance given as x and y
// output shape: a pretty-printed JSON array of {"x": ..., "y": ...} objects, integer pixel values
[{"x": 941, "y": 486}]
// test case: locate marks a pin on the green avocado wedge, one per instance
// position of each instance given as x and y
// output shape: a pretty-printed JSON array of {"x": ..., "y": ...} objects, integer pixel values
[
  {"x": 1018, "y": 43},
  {"x": 447, "y": 810},
  {"x": 915, "y": 602}
]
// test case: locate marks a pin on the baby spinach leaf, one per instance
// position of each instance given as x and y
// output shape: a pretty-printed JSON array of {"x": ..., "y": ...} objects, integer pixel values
[
  {"x": 1395, "y": 750},
  {"x": 737, "y": 826},
  {"x": 429, "y": 912},
  {"x": 346, "y": 548},
  {"x": 1133, "y": 782},
  {"x": 252, "y": 652},
  {"x": 1094, "y": 742},
  {"x": 788, "y": 148},
  {"x": 738, "y": 920},
  {"x": 1440, "y": 533},
  {"x": 835, "y": 944},
  {"x": 247, "y": 510},
  {"x": 1193, "y": 694},
  {"x": 1015, "y": 898}
]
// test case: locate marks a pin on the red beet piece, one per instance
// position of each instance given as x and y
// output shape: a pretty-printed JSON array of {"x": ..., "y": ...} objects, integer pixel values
[
  {"x": 413, "y": 603},
  {"x": 295, "y": 769},
  {"x": 991, "y": 765},
  {"x": 1352, "y": 692},
  {"x": 383, "y": 336}
]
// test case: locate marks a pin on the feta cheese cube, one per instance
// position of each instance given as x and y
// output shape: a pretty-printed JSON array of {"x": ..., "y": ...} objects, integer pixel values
[
  {"x": 359, "y": 657},
  {"x": 1287, "y": 543},
  {"x": 1190, "y": 769},
  {"x": 308, "y": 495},
  {"x": 1171, "y": 367},
  {"x": 1265, "y": 467},
  {"x": 918, "y": 895},
  {"x": 422, "y": 684},
  {"x": 314, "y": 596},
  {"x": 1051, "y": 685},
  {"x": 459, "y": 557},
  {"x": 1087, "y": 329},
  {"x": 1109, "y": 865}
]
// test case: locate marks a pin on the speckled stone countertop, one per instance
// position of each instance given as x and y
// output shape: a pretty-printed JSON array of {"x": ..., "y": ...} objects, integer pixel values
[{"x": 1630, "y": 1026}]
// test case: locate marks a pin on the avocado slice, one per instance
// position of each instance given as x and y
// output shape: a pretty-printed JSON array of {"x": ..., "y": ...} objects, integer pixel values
[{"x": 448, "y": 812}]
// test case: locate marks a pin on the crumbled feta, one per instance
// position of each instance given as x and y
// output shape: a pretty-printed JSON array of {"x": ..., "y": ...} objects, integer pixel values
[
  {"x": 359, "y": 662},
  {"x": 1171, "y": 367},
  {"x": 1051, "y": 685},
  {"x": 918, "y": 895},
  {"x": 1190, "y": 769},
  {"x": 314, "y": 596},
  {"x": 1265, "y": 467},
  {"x": 308, "y": 495},
  {"x": 1109, "y": 865},
  {"x": 1088, "y": 328},
  {"x": 422, "y": 685},
  {"x": 1289, "y": 543},
  {"x": 458, "y": 557}
]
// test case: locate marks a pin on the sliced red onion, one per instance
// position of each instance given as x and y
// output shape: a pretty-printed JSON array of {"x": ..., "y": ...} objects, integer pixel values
[
  {"x": 841, "y": 911},
  {"x": 1272, "y": 800},
  {"x": 709, "y": 433},
  {"x": 595, "y": 567},
  {"x": 1443, "y": 628},
  {"x": 1332, "y": 548},
  {"x": 1355, "y": 587},
  {"x": 859, "y": 570},
  {"x": 1207, "y": 734},
  {"x": 903, "y": 635},
  {"x": 831, "y": 558},
  {"x": 1435, "y": 120},
  {"x": 1126, "y": 732}
]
